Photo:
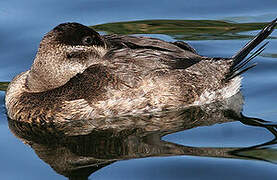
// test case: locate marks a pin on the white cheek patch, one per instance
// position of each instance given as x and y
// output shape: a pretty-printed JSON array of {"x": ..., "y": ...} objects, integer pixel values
[
  {"x": 74, "y": 67},
  {"x": 76, "y": 48}
]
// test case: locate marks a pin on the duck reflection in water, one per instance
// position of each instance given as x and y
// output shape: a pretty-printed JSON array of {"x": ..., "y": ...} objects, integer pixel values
[{"x": 76, "y": 149}]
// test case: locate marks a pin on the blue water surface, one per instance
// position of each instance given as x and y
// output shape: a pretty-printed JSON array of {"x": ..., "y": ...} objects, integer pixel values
[{"x": 23, "y": 23}]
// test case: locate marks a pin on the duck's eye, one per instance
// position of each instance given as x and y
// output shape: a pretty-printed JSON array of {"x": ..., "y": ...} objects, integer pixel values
[{"x": 87, "y": 40}]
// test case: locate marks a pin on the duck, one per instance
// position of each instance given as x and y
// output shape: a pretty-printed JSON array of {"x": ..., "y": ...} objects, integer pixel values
[{"x": 78, "y": 74}]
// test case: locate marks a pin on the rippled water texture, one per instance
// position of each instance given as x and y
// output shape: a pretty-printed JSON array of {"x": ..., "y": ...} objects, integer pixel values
[{"x": 211, "y": 142}]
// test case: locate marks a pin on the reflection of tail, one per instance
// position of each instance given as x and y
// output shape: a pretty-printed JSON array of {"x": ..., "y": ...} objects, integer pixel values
[
  {"x": 239, "y": 61},
  {"x": 264, "y": 151},
  {"x": 271, "y": 126}
]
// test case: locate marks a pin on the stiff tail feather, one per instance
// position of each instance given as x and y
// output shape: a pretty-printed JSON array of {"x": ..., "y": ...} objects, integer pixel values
[{"x": 239, "y": 60}]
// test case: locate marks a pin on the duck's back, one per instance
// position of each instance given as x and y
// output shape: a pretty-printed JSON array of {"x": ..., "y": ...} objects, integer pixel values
[{"x": 148, "y": 74}]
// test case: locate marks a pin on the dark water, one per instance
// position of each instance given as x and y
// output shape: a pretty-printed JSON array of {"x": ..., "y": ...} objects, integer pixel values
[{"x": 215, "y": 148}]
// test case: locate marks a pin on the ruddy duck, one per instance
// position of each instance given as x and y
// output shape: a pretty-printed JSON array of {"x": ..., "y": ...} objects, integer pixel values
[{"x": 79, "y": 74}]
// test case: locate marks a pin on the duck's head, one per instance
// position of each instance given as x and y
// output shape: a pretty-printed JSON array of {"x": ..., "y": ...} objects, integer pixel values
[{"x": 66, "y": 50}]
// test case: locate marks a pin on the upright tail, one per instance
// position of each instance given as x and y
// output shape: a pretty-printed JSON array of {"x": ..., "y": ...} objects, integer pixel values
[{"x": 239, "y": 58}]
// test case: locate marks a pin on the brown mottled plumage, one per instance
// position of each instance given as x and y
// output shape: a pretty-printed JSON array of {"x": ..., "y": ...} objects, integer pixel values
[{"x": 78, "y": 74}]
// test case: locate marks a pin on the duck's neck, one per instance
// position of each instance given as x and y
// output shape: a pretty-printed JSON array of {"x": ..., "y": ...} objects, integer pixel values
[
  {"x": 35, "y": 83},
  {"x": 52, "y": 74}
]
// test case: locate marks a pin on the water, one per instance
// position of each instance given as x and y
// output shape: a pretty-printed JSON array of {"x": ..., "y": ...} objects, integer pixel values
[{"x": 24, "y": 23}]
